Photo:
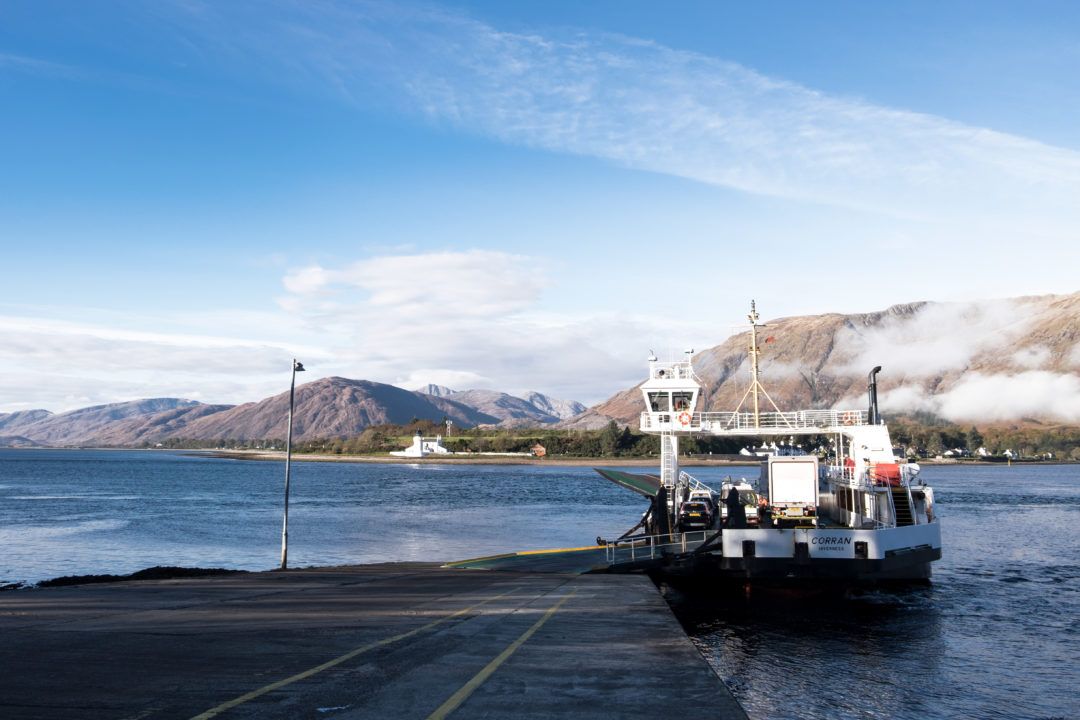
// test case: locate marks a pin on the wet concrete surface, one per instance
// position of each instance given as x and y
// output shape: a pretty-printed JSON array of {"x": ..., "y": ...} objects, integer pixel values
[{"x": 400, "y": 640}]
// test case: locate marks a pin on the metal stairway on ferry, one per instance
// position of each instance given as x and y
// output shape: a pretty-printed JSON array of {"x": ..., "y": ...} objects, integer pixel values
[{"x": 902, "y": 507}]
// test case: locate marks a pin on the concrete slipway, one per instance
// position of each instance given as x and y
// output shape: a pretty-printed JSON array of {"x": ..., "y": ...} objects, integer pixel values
[{"x": 403, "y": 640}]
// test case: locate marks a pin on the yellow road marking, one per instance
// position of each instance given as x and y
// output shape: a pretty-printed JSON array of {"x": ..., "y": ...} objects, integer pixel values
[
  {"x": 467, "y": 689},
  {"x": 559, "y": 550},
  {"x": 212, "y": 712},
  {"x": 472, "y": 560},
  {"x": 458, "y": 563}
]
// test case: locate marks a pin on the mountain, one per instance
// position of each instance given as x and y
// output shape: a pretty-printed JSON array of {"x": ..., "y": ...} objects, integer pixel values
[
  {"x": 13, "y": 422},
  {"x": 436, "y": 390},
  {"x": 329, "y": 407},
  {"x": 512, "y": 411},
  {"x": 16, "y": 441},
  {"x": 85, "y": 425},
  {"x": 156, "y": 427},
  {"x": 562, "y": 409},
  {"x": 980, "y": 362},
  {"x": 508, "y": 411}
]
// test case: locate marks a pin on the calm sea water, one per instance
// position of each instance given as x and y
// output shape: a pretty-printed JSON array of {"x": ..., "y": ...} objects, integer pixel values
[
  {"x": 65, "y": 512},
  {"x": 995, "y": 635}
]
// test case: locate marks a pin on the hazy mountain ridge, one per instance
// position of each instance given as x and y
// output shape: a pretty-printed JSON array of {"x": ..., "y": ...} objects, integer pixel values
[
  {"x": 329, "y": 407},
  {"x": 562, "y": 409},
  {"x": 11, "y": 422},
  {"x": 84, "y": 426},
  {"x": 512, "y": 410}
]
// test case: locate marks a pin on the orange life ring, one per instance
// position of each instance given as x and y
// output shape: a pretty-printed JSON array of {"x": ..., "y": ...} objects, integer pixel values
[
  {"x": 684, "y": 418},
  {"x": 849, "y": 418}
]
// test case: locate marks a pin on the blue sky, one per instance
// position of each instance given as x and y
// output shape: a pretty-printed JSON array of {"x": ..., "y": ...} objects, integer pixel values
[{"x": 517, "y": 196}]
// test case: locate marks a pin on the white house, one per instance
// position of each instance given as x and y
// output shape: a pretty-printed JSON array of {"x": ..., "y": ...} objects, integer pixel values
[{"x": 422, "y": 446}]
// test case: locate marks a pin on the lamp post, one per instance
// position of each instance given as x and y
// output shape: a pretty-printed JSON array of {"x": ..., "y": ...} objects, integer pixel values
[{"x": 296, "y": 367}]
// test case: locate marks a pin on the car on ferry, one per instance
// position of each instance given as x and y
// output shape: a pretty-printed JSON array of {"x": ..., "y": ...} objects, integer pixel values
[
  {"x": 695, "y": 515},
  {"x": 750, "y": 500}
]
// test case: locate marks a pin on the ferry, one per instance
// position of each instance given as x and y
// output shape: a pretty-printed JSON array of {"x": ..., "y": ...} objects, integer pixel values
[{"x": 857, "y": 513}]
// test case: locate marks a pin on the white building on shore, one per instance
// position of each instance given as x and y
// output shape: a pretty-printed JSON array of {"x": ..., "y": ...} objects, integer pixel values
[{"x": 423, "y": 446}]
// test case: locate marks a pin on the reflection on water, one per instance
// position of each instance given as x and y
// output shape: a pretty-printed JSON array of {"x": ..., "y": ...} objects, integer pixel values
[{"x": 827, "y": 655}]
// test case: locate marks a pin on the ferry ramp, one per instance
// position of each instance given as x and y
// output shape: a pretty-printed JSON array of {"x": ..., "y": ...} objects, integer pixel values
[{"x": 630, "y": 555}]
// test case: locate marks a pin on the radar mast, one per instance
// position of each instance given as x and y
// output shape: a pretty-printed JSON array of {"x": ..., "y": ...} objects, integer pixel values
[{"x": 756, "y": 388}]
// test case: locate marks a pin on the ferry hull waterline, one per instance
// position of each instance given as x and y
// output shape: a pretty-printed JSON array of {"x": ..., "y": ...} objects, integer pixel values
[{"x": 852, "y": 513}]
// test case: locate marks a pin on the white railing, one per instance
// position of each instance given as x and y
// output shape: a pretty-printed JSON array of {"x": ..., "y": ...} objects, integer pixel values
[
  {"x": 694, "y": 483},
  {"x": 847, "y": 477},
  {"x": 743, "y": 423},
  {"x": 652, "y": 547}
]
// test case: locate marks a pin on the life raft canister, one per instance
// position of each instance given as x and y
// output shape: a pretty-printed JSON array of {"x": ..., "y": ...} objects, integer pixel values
[{"x": 884, "y": 474}]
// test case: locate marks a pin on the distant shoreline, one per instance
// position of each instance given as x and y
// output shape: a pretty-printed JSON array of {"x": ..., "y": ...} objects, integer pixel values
[
  {"x": 471, "y": 459},
  {"x": 479, "y": 459}
]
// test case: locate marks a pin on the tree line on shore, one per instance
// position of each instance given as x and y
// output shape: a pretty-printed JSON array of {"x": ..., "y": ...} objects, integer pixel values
[{"x": 913, "y": 438}]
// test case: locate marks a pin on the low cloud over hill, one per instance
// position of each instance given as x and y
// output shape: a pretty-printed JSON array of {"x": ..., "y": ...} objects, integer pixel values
[{"x": 984, "y": 362}]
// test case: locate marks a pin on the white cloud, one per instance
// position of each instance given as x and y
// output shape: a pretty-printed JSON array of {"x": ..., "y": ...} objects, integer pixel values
[
  {"x": 872, "y": 187},
  {"x": 907, "y": 398},
  {"x": 62, "y": 365},
  {"x": 646, "y": 106},
  {"x": 453, "y": 379},
  {"x": 938, "y": 338},
  {"x": 306, "y": 280},
  {"x": 1031, "y": 357},
  {"x": 654, "y": 108},
  {"x": 998, "y": 397},
  {"x": 990, "y": 398},
  {"x": 947, "y": 339},
  {"x": 469, "y": 320}
]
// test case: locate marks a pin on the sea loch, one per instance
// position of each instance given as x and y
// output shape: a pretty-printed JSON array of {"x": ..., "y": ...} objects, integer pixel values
[{"x": 995, "y": 634}]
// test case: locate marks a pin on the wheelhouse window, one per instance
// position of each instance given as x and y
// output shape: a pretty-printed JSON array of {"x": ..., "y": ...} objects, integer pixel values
[
  {"x": 659, "y": 402},
  {"x": 682, "y": 400}
]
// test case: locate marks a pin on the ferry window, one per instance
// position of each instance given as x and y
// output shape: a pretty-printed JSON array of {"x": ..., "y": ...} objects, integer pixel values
[
  {"x": 682, "y": 400},
  {"x": 658, "y": 401}
]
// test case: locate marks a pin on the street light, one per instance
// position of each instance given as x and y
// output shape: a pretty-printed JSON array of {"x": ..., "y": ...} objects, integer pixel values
[{"x": 296, "y": 367}]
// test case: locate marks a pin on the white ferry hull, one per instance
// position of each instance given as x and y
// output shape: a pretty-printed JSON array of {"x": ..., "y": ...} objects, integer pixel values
[{"x": 902, "y": 553}]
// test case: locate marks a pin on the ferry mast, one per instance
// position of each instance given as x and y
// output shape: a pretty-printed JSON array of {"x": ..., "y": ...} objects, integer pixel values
[
  {"x": 755, "y": 385},
  {"x": 756, "y": 388}
]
